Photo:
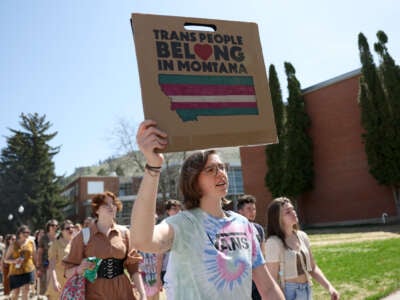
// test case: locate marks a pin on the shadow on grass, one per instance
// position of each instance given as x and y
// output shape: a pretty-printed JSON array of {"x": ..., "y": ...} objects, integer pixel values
[{"x": 392, "y": 228}]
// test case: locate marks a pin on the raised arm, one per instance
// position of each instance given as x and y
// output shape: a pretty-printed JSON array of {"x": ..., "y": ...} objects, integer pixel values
[{"x": 145, "y": 236}]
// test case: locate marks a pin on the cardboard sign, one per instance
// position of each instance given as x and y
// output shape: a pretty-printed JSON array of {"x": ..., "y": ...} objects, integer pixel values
[{"x": 205, "y": 89}]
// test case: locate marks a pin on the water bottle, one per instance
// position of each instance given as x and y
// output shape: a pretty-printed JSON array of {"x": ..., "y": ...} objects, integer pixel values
[{"x": 19, "y": 262}]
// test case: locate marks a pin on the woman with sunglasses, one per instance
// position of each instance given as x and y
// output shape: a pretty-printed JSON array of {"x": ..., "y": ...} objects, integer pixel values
[
  {"x": 57, "y": 251},
  {"x": 214, "y": 253},
  {"x": 21, "y": 255}
]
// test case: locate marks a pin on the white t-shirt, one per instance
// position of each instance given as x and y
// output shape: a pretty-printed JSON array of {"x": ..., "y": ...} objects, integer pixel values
[{"x": 211, "y": 258}]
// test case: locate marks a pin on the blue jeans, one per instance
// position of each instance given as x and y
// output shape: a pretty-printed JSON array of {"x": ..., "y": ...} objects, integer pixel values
[{"x": 298, "y": 291}]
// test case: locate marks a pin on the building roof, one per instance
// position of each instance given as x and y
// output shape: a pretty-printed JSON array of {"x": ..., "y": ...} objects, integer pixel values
[{"x": 331, "y": 81}]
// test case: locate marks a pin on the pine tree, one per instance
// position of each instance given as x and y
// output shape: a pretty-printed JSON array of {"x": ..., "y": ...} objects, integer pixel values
[
  {"x": 275, "y": 152},
  {"x": 298, "y": 172},
  {"x": 390, "y": 78},
  {"x": 27, "y": 175}
]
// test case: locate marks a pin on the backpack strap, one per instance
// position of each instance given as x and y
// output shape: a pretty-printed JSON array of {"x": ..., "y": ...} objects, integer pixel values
[
  {"x": 121, "y": 228},
  {"x": 86, "y": 235}
]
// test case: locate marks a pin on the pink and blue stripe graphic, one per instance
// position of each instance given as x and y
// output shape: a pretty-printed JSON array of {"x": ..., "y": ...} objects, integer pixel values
[{"x": 193, "y": 95}]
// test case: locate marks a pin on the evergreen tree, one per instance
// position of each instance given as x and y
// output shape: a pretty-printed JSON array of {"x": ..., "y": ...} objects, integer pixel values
[
  {"x": 375, "y": 118},
  {"x": 27, "y": 175},
  {"x": 120, "y": 171},
  {"x": 275, "y": 152},
  {"x": 298, "y": 172},
  {"x": 102, "y": 172},
  {"x": 390, "y": 78}
]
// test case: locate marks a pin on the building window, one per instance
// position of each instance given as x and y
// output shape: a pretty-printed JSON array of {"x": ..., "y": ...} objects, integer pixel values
[
  {"x": 235, "y": 181},
  {"x": 95, "y": 187},
  {"x": 125, "y": 189},
  {"x": 124, "y": 216}
]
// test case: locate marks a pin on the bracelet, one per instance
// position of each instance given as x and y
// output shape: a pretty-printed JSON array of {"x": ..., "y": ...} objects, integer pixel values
[
  {"x": 153, "y": 171},
  {"x": 151, "y": 168}
]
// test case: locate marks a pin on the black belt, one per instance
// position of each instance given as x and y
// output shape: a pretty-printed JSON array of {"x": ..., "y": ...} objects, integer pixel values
[{"x": 110, "y": 268}]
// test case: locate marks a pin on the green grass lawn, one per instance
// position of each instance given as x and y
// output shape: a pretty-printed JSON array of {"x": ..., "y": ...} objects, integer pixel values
[{"x": 359, "y": 270}]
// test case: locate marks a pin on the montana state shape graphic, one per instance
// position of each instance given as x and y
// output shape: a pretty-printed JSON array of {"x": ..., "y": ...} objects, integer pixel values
[{"x": 196, "y": 95}]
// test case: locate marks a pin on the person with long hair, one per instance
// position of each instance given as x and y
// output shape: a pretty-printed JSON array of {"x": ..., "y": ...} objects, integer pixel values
[
  {"x": 43, "y": 254},
  {"x": 9, "y": 240},
  {"x": 214, "y": 253},
  {"x": 110, "y": 242},
  {"x": 39, "y": 233},
  {"x": 57, "y": 251},
  {"x": 288, "y": 253},
  {"x": 21, "y": 256}
]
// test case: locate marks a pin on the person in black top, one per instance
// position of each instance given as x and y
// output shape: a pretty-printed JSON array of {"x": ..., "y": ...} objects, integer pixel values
[{"x": 246, "y": 206}]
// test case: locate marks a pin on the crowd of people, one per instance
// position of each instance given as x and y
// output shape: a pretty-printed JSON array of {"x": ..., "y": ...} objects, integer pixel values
[
  {"x": 200, "y": 250},
  {"x": 41, "y": 263},
  {"x": 31, "y": 264}
]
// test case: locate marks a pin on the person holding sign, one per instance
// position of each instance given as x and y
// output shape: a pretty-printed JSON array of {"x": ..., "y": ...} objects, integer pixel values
[{"x": 214, "y": 253}]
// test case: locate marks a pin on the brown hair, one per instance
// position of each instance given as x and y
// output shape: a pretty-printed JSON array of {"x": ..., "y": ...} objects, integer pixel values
[
  {"x": 21, "y": 229},
  {"x": 189, "y": 177},
  {"x": 8, "y": 239},
  {"x": 49, "y": 222},
  {"x": 274, "y": 218},
  {"x": 245, "y": 199},
  {"x": 63, "y": 225},
  {"x": 100, "y": 199},
  {"x": 171, "y": 203}
]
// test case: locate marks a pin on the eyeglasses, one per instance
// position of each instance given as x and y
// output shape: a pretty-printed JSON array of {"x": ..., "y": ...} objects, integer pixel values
[
  {"x": 69, "y": 228},
  {"x": 213, "y": 169},
  {"x": 26, "y": 232},
  {"x": 112, "y": 205}
]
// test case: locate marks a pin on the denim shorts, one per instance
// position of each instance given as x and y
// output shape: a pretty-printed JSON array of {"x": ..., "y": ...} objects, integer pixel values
[{"x": 298, "y": 291}]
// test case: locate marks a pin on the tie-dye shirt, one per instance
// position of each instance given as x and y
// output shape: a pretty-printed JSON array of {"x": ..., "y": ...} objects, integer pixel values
[
  {"x": 211, "y": 258},
  {"x": 148, "y": 267}
]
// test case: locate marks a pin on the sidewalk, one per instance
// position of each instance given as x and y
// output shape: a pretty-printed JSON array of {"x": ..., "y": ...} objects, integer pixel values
[{"x": 394, "y": 296}]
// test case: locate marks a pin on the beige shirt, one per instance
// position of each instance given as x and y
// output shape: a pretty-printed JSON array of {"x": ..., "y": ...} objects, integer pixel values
[
  {"x": 276, "y": 252},
  {"x": 57, "y": 251}
]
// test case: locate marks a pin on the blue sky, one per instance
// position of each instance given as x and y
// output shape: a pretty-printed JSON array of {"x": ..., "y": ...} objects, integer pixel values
[{"x": 75, "y": 60}]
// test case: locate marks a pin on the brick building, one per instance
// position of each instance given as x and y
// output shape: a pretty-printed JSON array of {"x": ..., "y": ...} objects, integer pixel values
[
  {"x": 344, "y": 191},
  {"x": 80, "y": 191}
]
